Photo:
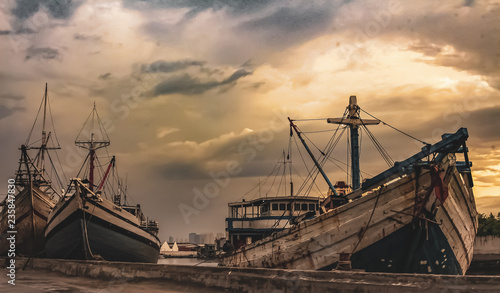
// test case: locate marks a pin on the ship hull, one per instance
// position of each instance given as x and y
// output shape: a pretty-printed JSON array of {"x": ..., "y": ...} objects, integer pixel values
[
  {"x": 403, "y": 226},
  {"x": 32, "y": 207},
  {"x": 88, "y": 229}
]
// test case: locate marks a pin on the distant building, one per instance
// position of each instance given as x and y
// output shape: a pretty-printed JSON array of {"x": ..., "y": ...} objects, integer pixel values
[
  {"x": 207, "y": 238},
  {"x": 165, "y": 247}
]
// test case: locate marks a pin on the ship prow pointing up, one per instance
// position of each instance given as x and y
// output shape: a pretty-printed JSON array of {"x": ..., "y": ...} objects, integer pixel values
[
  {"x": 418, "y": 216},
  {"x": 93, "y": 219},
  {"x": 38, "y": 186}
]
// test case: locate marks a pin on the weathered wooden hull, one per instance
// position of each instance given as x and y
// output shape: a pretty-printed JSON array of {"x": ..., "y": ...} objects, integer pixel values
[
  {"x": 383, "y": 231},
  {"x": 31, "y": 213},
  {"x": 93, "y": 229}
]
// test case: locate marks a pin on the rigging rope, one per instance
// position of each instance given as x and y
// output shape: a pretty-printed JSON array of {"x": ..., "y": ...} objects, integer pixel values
[
  {"x": 313, "y": 119},
  {"x": 34, "y": 123},
  {"x": 400, "y": 131}
]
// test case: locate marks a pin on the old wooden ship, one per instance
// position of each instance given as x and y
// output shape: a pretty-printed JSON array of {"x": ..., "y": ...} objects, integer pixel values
[
  {"x": 418, "y": 216},
  {"x": 91, "y": 221},
  {"x": 35, "y": 191}
]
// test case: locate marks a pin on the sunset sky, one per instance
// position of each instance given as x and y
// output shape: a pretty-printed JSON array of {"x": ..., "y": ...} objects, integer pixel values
[{"x": 191, "y": 89}]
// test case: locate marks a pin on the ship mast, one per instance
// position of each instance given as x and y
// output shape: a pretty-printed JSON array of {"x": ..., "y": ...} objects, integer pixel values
[
  {"x": 354, "y": 121},
  {"x": 39, "y": 162},
  {"x": 93, "y": 141}
]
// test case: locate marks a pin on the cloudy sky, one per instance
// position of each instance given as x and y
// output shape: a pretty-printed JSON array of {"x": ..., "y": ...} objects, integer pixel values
[{"x": 195, "y": 94}]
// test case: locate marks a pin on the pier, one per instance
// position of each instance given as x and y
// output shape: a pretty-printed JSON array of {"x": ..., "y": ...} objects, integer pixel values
[{"x": 260, "y": 280}]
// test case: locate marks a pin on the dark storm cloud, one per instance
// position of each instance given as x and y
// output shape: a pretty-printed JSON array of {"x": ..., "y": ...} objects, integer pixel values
[
  {"x": 472, "y": 31},
  {"x": 20, "y": 31},
  {"x": 7, "y": 111},
  {"x": 182, "y": 171},
  {"x": 169, "y": 66},
  {"x": 290, "y": 25},
  {"x": 276, "y": 24},
  {"x": 105, "y": 75},
  {"x": 83, "y": 37},
  {"x": 287, "y": 19},
  {"x": 187, "y": 85},
  {"x": 41, "y": 53},
  {"x": 469, "y": 3},
  {"x": 12, "y": 97},
  {"x": 60, "y": 9},
  {"x": 195, "y": 6},
  {"x": 482, "y": 124}
]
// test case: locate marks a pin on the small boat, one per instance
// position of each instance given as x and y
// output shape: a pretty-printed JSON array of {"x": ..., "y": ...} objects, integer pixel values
[
  {"x": 91, "y": 222},
  {"x": 252, "y": 220},
  {"x": 418, "y": 216},
  {"x": 35, "y": 194}
]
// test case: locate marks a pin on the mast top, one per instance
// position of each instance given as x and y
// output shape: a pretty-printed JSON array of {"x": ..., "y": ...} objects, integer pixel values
[
  {"x": 93, "y": 136},
  {"x": 352, "y": 118},
  {"x": 353, "y": 107}
]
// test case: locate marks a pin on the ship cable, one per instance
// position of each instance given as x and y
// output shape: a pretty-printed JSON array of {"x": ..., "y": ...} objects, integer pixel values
[
  {"x": 331, "y": 145},
  {"x": 369, "y": 220},
  {"x": 34, "y": 123},
  {"x": 385, "y": 155},
  {"x": 400, "y": 131}
]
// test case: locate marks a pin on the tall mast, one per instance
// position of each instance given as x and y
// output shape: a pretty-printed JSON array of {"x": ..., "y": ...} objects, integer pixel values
[
  {"x": 44, "y": 114},
  {"x": 294, "y": 127},
  {"x": 43, "y": 148},
  {"x": 93, "y": 141},
  {"x": 39, "y": 161},
  {"x": 354, "y": 121}
]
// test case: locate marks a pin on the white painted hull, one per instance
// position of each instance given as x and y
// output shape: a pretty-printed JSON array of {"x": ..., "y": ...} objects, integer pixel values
[
  {"x": 316, "y": 243},
  {"x": 32, "y": 207}
]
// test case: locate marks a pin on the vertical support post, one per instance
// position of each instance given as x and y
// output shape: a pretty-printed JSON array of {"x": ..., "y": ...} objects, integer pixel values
[
  {"x": 91, "y": 171},
  {"x": 353, "y": 120},
  {"x": 356, "y": 181}
]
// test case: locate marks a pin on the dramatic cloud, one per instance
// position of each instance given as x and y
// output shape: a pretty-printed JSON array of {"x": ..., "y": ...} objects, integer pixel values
[
  {"x": 290, "y": 25},
  {"x": 42, "y": 53},
  {"x": 188, "y": 85},
  {"x": 169, "y": 66},
  {"x": 10, "y": 104},
  {"x": 83, "y": 37},
  {"x": 105, "y": 75},
  {"x": 234, "y": 6},
  {"x": 56, "y": 8},
  {"x": 12, "y": 97}
]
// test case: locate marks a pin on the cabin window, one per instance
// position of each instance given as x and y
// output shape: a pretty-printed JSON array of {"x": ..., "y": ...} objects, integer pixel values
[
  {"x": 275, "y": 206},
  {"x": 282, "y": 206},
  {"x": 312, "y": 207},
  {"x": 304, "y": 207},
  {"x": 297, "y": 207},
  {"x": 288, "y": 207},
  {"x": 264, "y": 208}
]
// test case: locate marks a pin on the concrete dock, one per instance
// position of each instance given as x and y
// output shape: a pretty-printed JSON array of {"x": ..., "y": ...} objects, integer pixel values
[{"x": 220, "y": 279}]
